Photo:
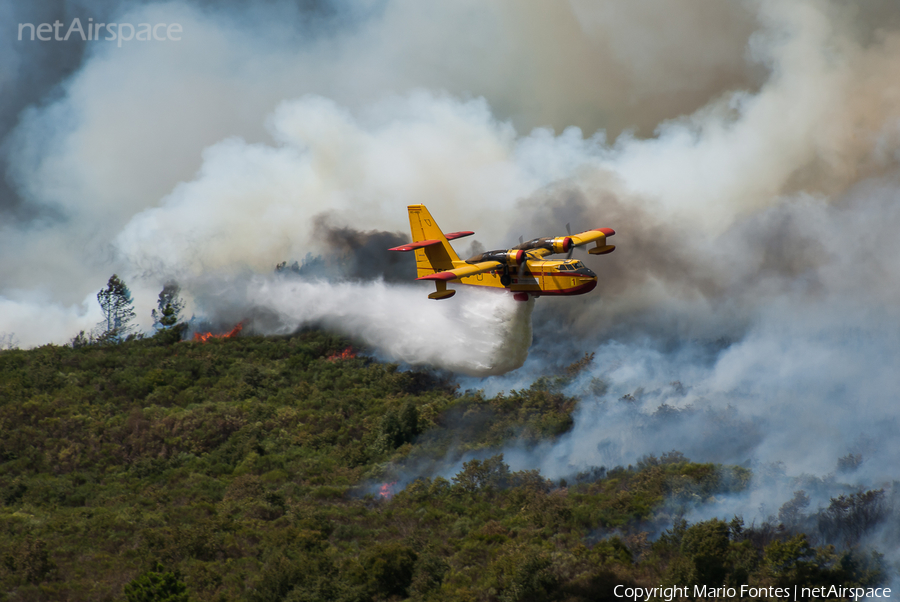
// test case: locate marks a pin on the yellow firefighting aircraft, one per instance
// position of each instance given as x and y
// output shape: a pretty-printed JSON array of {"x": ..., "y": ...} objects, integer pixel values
[{"x": 521, "y": 269}]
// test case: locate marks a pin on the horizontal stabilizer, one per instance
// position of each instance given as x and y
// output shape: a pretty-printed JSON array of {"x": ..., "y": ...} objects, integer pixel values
[
  {"x": 460, "y": 234},
  {"x": 416, "y": 245}
]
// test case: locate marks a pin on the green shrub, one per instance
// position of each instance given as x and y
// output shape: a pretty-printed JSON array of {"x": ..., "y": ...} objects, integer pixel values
[{"x": 157, "y": 585}]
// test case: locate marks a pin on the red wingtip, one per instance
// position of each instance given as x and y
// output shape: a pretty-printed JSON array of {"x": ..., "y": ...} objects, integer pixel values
[
  {"x": 607, "y": 231},
  {"x": 438, "y": 276}
]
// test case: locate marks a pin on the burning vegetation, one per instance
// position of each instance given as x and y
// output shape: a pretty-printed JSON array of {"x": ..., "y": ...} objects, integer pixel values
[
  {"x": 202, "y": 337},
  {"x": 386, "y": 491},
  {"x": 346, "y": 354}
]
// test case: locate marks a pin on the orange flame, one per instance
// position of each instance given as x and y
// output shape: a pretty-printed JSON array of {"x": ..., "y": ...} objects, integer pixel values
[
  {"x": 202, "y": 337},
  {"x": 387, "y": 490},
  {"x": 346, "y": 354}
]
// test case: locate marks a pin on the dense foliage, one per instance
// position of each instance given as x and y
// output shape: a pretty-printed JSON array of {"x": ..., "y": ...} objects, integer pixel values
[{"x": 262, "y": 469}]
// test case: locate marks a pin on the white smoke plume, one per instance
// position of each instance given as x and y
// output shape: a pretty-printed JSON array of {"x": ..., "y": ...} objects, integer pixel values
[{"x": 485, "y": 332}]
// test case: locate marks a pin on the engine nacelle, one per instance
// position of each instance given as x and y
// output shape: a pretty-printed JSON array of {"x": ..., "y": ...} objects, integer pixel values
[
  {"x": 561, "y": 244},
  {"x": 512, "y": 257},
  {"x": 515, "y": 257}
]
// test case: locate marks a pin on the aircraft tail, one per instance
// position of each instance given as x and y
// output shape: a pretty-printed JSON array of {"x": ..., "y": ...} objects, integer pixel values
[{"x": 437, "y": 256}]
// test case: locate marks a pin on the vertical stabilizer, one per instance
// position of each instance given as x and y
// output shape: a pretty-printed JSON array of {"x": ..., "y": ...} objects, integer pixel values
[{"x": 433, "y": 258}]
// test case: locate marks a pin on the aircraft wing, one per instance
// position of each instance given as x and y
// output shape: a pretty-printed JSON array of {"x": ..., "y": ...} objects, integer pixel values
[
  {"x": 591, "y": 235},
  {"x": 463, "y": 270},
  {"x": 599, "y": 235}
]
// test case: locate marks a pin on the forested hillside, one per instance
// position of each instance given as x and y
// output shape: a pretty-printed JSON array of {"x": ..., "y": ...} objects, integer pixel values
[{"x": 263, "y": 469}]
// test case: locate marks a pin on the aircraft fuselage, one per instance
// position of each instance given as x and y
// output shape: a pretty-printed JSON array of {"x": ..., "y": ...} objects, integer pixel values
[{"x": 540, "y": 277}]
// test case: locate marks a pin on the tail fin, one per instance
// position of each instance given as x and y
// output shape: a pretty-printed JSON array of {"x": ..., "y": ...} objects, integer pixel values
[{"x": 435, "y": 257}]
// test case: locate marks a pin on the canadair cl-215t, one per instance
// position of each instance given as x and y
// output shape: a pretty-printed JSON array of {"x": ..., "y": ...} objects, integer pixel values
[{"x": 521, "y": 269}]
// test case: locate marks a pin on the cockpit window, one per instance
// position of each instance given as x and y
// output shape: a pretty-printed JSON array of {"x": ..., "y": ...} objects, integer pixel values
[
  {"x": 576, "y": 266},
  {"x": 565, "y": 268}
]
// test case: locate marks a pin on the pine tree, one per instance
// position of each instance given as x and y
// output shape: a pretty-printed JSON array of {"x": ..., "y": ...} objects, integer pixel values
[
  {"x": 170, "y": 305},
  {"x": 118, "y": 309}
]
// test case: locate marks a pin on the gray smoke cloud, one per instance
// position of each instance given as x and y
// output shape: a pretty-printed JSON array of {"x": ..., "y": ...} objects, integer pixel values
[{"x": 745, "y": 152}]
